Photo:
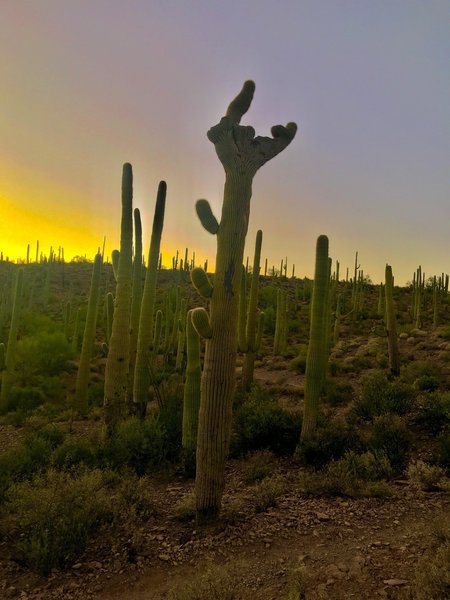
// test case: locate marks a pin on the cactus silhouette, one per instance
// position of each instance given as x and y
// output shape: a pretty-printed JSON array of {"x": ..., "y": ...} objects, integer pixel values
[{"x": 241, "y": 154}]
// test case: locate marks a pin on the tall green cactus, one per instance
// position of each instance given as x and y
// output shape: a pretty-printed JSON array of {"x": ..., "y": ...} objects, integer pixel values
[
  {"x": 136, "y": 299},
  {"x": 117, "y": 362},
  {"x": 391, "y": 323},
  {"x": 281, "y": 325},
  {"x": 146, "y": 320},
  {"x": 317, "y": 346},
  {"x": 191, "y": 399},
  {"x": 81, "y": 387},
  {"x": 250, "y": 333},
  {"x": 241, "y": 155},
  {"x": 10, "y": 356}
]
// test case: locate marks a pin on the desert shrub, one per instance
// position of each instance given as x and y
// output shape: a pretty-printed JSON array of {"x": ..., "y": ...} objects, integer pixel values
[
  {"x": 74, "y": 452},
  {"x": 44, "y": 353},
  {"x": 389, "y": 434},
  {"x": 25, "y": 399},
  {"x": 259, "y": 423},
  {"x": 380, "y": 396},
  {"x": 299, "y": 362},
  {"x": 337, "y": 393},
  {"x": 21, "y": 463},
  {"x": 329, "y": 442},
  {"x": 213, "y": 583},
  {"x": 419, "y": 370},
  {"x": 266, "y": 492},
  {"x": 426, "y": 477},
  {"x": 433, "y": 412},
  {"x": 258, "y": 466},
  {"x": 427, "y": 383},
  {"x": 431, "y": 579},
  {"x": 136, "y": 444},
  {"x": 52, "y": 517},
  {"x": 185, "y": 508},
  {"x": 170, "y": 419},
  {"x": 442, "y": 450},
  {"x": 354, "y": 475},
  {"x": 49, "y": 433}
]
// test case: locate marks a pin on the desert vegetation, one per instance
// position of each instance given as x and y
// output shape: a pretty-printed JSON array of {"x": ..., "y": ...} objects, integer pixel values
[{"x": 178, "y": 426}]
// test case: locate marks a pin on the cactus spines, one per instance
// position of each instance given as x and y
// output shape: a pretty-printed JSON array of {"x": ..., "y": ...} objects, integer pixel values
[
  {"x": 10, "y": 355},
  {"x": 81, "y": 388},
  {"x": 146, "y": 321},
  {"x": 317, "y": 346},
  {"x": 200, "y": 320},
  {"x": 391, "y": 323},
  {"x": 241, "y": 154},
  {"x": 117, "y": 362},
  {"x": 201, "y": 282},
  {"x": 191, "y": 399}
]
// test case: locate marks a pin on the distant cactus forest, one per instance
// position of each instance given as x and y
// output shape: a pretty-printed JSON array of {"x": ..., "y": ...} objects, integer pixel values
[{"x": 149, "y": 413}]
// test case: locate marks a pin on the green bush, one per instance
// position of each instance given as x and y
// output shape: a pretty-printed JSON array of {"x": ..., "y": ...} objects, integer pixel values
[
  {"x": 329, "y": 442},
  {"x": 74, "y": 452},
  {"x": 259, "y": 423},
  {"x": 389, "y": 434},
  {"x": 21, "y": 463},
  {"x": 354, "y": 475},
  {"x": 442, "y": 451},
  {"x": 380, "y": 396},
  {"x": 266, "y": 492},
  {"x": 433, "y": 412},
  {"x": 426, "y": 477},
  {"x": 136, "y": 444},
  {"x": 418, "y": 371},
  {"x": 25, "y": 399},
  {"x": 51, "y": 518},
  {"x": 258, "y": 466},
  {"x": 337, "y": 393}
]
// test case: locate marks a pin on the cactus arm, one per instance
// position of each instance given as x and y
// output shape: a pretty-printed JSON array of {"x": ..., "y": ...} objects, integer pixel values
[
  {"x": 205, "y": 214},
  {"x": 201, "y": 282}
]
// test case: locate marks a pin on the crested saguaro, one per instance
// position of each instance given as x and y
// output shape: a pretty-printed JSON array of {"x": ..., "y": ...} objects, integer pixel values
[{"x": 241, "y": 154}]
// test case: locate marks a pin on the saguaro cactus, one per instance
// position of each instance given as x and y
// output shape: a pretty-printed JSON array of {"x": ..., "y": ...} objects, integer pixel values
[
  {"x": 249, "y": 359},
  {"x": 146, "y": 333},
  {"x": 318, "y": 344},
  {"x": 136, "y": 298},
  {"x": 117, "y": 363},
  {"x": 81, "y": 389},
  {"x": 191, "y": 400},
  {"x": 10, "y": 355},
  {"x": 391, "y": 323},
  {"x": 241, "y": 154}
]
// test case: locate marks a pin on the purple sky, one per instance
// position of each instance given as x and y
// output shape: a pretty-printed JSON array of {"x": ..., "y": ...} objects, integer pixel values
[{"x": 90, "y": 84}]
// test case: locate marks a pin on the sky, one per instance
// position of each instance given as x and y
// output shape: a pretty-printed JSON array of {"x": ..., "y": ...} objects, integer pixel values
[{"x": 87, "y": 85}]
